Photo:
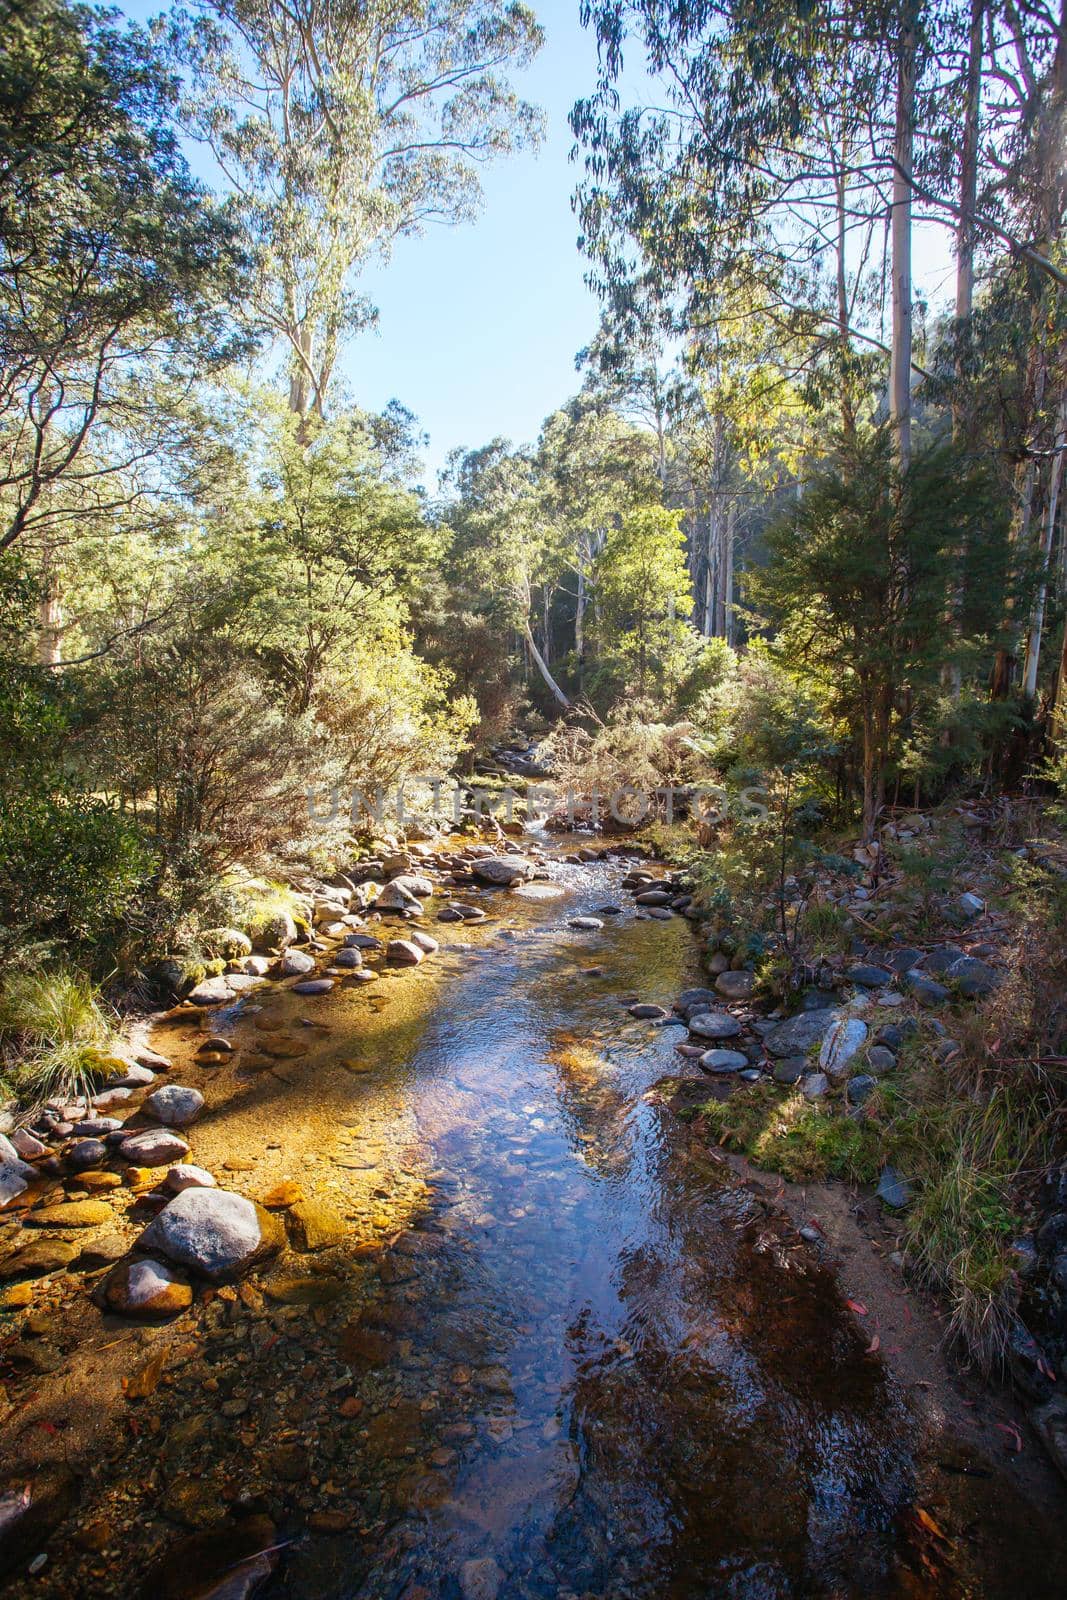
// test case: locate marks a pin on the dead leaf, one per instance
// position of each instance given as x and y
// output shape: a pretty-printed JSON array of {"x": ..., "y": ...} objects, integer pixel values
[
  {"x": 857, "y": 1306},
  {"x": 146, "y": 1381}
]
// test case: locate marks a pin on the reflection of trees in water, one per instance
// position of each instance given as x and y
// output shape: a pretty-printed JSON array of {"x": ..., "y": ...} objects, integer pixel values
[
  {"x": 735, "y": 1438},
  {"x": 591, "y": 1104}
]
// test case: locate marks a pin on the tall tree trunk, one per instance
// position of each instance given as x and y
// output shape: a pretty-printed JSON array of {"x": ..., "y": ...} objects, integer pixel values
[
  {"x": 1037, "y": 616},
  {"x": 950, "y": 675},
  {"x": 1026, "y": 484},
  {"x": 903, "y": 141},
  {"x": 728, "y": 575},
  {"x": 542, "y": 666},
  {"x": 579, "y": 616},
  {"x": 965, "y": 230}
]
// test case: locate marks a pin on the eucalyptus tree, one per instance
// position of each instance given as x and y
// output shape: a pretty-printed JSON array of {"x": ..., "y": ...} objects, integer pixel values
[
  {"x": 115, "y": 267},
  {"x": 340, "y": 126},
  {"x": 593, "y": 465}
]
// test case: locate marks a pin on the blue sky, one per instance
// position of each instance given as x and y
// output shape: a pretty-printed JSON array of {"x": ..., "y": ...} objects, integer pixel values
[{"x": 479, "y": 325}]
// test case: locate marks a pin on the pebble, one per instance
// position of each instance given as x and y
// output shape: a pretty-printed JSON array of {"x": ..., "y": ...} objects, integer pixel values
[
  {"x": 313, "y": 986},
  {"x": 187, "y": 1176},
  {"x": 586, "y": 924}
]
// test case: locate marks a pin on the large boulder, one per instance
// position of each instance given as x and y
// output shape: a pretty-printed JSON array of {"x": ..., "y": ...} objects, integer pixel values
[
  {"x": 502, "y": 871},
  {"x": 796, "y": 1035},
  {"x": 213, "y": 1232}
]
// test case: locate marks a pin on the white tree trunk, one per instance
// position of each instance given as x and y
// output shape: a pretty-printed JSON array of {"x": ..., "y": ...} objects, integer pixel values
[
  {"x": 542, "y": 666},
  {"x": 1037, "y": 618},
  {"x": 904, "y": 137}
]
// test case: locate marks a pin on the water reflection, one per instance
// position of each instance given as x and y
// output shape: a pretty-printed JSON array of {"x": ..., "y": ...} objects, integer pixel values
[{"x": 597, "y": 1362}]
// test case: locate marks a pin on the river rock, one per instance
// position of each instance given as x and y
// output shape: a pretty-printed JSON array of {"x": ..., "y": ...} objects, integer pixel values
[
  {"x": 27, "y": 1145},
  {"x": 735, "y": 985},
  {"x": 585, "y": 924},
  {"x": 135, "y": 1077},
  {"x": 174, "y": 1105},
  {"x": 972, "y": 977},
  {"x": 313, "y": 986},
  {"x": 212, "y": 992},
  {"x": 869, "y": 977},
  {"x": 74, "y": 1214},
  {"x": 186, "y": 1176},
  {"x": 348, "y": 958},
  {"x": 38, "y": 1259},
  {"x": 841, "y": 1042},
  {"x": 425, "y": 941},
  {"x": 893, "y": 1190},
  {"x": 1050, "y": 1423},
  {"x": 941, "y": 958},
  {"x": 815, "y": 1086},
  {"x": 316, "y": 1225},
  {"x": 362, "y": 941},
  {"x": 156, "y": 1147},
  {"x": 714, "y": 1025},
  {"x": 394, "y": 897},
  {"x": 16, "y": 1175},
  {"x": 790, "y": 1070},
  {"x": 796, "y": 1035},
  {"x": 723, "y": 1061},
  {"x": 404, "y": 951},
  {"x": 926, "y": 990},
  {"x": 296, "y": 962},
  {"x": 502, "y": 871},
  {"x": 413, "y": 883},
  {"x": 146, "y": 1288},
  {"x": 86, "y": 1153},
  {"x": 32, "y": 1505},
  {"x": 646, "y": 1011},
  {"x": 531, "y": 891},
  {"x": 652, "y": 897},
  {"x": 213, "y": 1232},
  {"x": 691, "y": 1000}
]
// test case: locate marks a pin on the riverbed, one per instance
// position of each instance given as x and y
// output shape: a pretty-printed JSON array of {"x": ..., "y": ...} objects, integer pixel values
[{"x": 554, "y": 1347}]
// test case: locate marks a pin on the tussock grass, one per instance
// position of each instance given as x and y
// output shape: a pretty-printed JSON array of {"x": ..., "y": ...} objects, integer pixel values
[{"x": 54, "y": 1029}]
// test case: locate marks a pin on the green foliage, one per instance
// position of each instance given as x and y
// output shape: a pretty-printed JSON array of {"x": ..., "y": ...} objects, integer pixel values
[
  {"x": 860, "y": 578},
  {"x": 54, "y": 1032}
]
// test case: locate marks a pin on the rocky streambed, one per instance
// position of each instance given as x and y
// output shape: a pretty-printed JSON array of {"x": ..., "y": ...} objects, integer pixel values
[{"x": 390, "y": 1273}]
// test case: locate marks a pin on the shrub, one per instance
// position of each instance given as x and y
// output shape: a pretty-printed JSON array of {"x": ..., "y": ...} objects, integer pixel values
[{"x": 54, "y": 1033}]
